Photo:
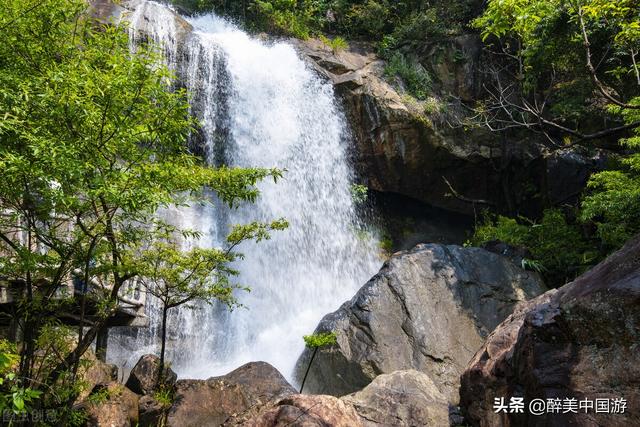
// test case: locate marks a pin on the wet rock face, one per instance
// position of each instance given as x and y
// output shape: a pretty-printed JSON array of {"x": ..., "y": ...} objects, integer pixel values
[
  {"x": 580, "y": 341},
  {"x": 403, "y": 399},
  {"x": 428, "y": 309},
  {"x": 229, "y": 399},
  {"x": 402, "y": 149}
]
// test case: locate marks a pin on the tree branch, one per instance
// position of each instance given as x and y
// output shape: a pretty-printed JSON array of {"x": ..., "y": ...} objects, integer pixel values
[{"x": 592, "y": 71}]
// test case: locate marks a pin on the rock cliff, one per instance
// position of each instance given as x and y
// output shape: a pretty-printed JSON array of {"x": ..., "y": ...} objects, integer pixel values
[
  {"x": 428, "y": 309},
  {"x": 580, "y": 341},
  {"x": 422, "y": 150}
]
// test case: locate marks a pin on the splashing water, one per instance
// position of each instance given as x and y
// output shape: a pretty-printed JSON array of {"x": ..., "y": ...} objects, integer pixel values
[{"x": 261, "y": 105}]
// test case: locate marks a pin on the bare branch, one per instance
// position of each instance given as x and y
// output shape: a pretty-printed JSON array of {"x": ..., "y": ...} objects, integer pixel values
[{"x": 466, "y": 199}]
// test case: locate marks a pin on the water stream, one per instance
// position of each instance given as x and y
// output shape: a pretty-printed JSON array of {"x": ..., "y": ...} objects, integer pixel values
[{"x": 260, "y": 104}]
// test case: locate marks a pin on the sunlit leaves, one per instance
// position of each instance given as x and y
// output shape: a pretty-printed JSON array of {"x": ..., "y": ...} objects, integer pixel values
[
  {"x": 319, "y": 340},
  {"x": 92, "y": 146}
]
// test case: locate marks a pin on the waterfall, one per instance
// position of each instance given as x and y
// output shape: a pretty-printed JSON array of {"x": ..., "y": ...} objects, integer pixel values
[{"x": 261, "y": 105}]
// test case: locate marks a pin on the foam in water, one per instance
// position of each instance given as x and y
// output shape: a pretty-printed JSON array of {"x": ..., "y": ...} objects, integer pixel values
[{"x": 261, "y": 105}]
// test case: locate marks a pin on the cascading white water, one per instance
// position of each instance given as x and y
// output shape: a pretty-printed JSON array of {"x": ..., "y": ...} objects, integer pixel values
[{"x": 261, "y": 105}]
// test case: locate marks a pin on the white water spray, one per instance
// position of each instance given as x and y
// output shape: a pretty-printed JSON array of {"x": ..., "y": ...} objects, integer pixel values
[{"x": 261, "y": 105}]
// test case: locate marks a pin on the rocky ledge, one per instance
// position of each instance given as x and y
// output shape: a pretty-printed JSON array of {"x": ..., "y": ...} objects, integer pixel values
[
  {"x": 422, "y": 150},
  {"x": 256, "y": 395}
]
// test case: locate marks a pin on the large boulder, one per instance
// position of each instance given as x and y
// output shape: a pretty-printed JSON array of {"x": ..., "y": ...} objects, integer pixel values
[
  {"x": 92, "y": 372},
  {"x": 151, "y": 411},
  {"x": 412, "y": 148},
  {"x": 144, "y": 376},
  {"x": 578, "y": 342},
  {"x": 227, "y": 399},
  {"x": 402, "y": 399},
  {"x": 307, "y": 411},
  {"x": 113, "y": 405},
  {"x": 428, "y": 309}
]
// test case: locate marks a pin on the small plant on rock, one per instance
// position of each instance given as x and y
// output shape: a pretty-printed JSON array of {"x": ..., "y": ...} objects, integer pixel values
[
  {"x": 316, "y": 341},
  {"x": 164, "y": 396},
  {"x": 359, "y": 193},
  {"x": 336, "y": 44}
]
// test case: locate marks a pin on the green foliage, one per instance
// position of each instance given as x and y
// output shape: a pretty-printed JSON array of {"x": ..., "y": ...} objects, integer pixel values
[
  {"x": 533, "y": 265},
  {"x": 421, "y": 26},
  {"x": 283, "y": 16},
  {"x": 315, "y": 342},
  {"x": 502, "y": 228},
  {"x": 178, "y": 277},
  {"x": 320, "y": 340},
  {"x": 336, "y": 44},
  {"x": 551, "y": 44},
  {"x": 546, "y": 37},
  {"x": 14, "y": 397},
  {"x": 433, "y": 105},
  {"x": 359, "y": 193},
  {"x": 372, "y": 19},
  {"x": 413, "y": 76},
  {"x": 92, "y": 144},
  {"x": 386, "y": 244},
  {"x": 406, "y": 21},
  {"x": 100, "y": 396},
  {"x": 613, "y": 198},
  {"x": 298, "y": 18},
  {"x": 164, "y": 396},
  {"x": 559, "y": 249}
]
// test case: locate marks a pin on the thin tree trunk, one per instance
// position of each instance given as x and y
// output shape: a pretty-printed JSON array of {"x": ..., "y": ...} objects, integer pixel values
[
  {"x": 81, "y": 348},
  {"x": 163, "y": 344},
  {"x": 313, "y": 355},
  {"x": 101, "y": 343}
]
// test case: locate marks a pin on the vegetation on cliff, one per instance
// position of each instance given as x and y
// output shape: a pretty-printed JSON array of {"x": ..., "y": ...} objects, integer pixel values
[
  {"x": 375, "y": 20},
  {"x": 568, "y": 70}
]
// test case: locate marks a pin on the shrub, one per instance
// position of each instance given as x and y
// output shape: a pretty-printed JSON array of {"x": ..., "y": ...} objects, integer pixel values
[
  {"x": 559, "y": 249},
  {"x": 336, "y": 44},
  {"x": 370, "y": 19},
  {"x": 613, "y": 199},
  {"x": 414, "y": 77},
  {"x": 359, "y": 193}
]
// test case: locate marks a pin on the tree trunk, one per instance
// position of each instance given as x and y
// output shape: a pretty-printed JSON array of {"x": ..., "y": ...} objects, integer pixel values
[
  {"x": 165, "y": 309},
  {"x": 101, "y": 343},
  {"x": 81, "y": 348},
  {"x": 313, "y": 355}
]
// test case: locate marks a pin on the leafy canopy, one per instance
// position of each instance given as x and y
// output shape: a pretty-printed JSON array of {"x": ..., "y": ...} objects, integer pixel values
[
  {"x": 612, "y": 201},
  {"x": 92, "y": 145},
  {"x": 582, "y": 57}
]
